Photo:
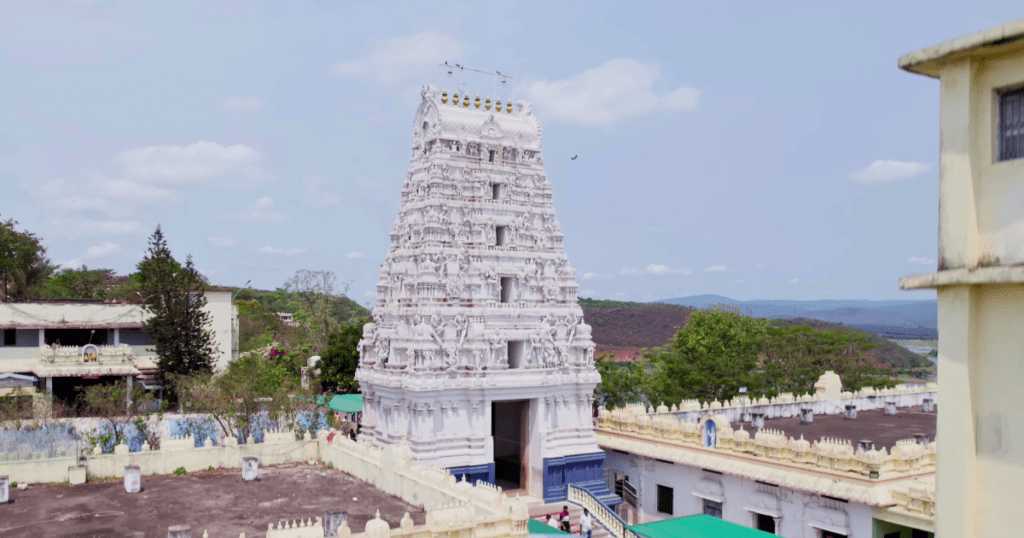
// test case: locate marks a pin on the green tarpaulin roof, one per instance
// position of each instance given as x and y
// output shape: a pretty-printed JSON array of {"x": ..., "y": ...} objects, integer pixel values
[
  {"x": 698, "y": 526},
  {"x": 344, "y": 403},
  {"x": 539, "y": 527}
]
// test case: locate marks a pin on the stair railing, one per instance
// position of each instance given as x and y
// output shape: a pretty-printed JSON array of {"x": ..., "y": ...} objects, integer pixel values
[{"x": 616, "y": 526}]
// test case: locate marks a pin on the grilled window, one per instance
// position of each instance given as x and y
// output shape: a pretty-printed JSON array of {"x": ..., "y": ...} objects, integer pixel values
[
  {"x": 1011, "y": 125},
  {"x": 665, "y": 499},
  {"x": 713, "y": 508}
]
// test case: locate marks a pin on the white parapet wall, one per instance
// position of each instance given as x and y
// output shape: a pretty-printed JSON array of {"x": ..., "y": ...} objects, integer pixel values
[{"x": 176, "y": 453}]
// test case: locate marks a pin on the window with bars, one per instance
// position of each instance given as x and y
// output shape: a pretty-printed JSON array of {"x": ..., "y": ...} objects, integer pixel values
[
  {"x": 665, "y": 494},
  {"x": 713, "y": 508},
  {"x": 1011, "y": 124}
]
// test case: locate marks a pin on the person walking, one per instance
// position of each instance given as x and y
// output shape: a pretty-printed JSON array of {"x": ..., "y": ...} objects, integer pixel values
[
  {"x": 586, "y": 524},
  {"x": 563, "y": 516},
  {"x": 552, "y": 522}
]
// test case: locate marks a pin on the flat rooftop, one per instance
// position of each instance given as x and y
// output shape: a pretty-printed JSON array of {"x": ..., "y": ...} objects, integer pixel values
[
  {"x": 874, "y": 425},
  {"x": 218, "y": 502}
]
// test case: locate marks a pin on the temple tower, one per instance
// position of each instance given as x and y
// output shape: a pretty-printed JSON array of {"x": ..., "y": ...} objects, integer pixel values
[{"x": 478, "y": 356}]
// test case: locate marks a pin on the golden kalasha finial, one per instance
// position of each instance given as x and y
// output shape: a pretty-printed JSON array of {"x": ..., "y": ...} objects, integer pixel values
[
  {"x": 455, "y": 98},
  {"x": 465, "y": 100},
  {"x": 487, "y": 105},
  {"x": 508, "y": 107},
  {"x": 497, "y": 105},
  {"x": 477, "y": 102},
  {"x": 444, "y": 97}
]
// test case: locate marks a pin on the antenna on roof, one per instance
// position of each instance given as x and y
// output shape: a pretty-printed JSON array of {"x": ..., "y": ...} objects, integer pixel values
[{"x": 505, "y": 79}]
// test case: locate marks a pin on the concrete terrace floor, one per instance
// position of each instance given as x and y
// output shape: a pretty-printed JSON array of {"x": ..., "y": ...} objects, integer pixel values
[{"x": 218, "y": 502}]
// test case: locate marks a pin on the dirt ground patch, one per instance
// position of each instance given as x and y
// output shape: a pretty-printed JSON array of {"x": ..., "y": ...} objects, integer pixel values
[{"x": 218, "y": 502}]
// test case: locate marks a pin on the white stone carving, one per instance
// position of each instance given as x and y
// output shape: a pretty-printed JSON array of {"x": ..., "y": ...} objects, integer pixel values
[{"x": 438, "y": 351}]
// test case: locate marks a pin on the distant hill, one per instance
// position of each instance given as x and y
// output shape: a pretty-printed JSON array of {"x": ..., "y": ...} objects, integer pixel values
[
  {"x": 624, "y": 328},
  {"x": 891, "y": 319}
]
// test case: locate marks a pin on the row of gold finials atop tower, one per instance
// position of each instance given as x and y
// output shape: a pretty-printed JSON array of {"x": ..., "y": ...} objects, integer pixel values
[{"x": 465, "y": 101}]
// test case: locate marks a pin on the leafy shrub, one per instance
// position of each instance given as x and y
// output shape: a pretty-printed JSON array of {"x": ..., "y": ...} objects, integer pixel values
[{"x": 180, "y": 471}]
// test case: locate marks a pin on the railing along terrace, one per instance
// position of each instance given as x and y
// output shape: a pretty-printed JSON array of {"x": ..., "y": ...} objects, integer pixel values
[
  {"x": 88, "y": 354},
  {"x": 604, "y": 515}
]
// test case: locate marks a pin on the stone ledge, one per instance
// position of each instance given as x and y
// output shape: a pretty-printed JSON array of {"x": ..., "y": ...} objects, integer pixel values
[{"x": 960, "y": 277}]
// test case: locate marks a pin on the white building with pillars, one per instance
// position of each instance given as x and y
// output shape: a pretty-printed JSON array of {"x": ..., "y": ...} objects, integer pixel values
[
  {"x": 478, "y": 355},
  {"x": 64, "y": 344}
]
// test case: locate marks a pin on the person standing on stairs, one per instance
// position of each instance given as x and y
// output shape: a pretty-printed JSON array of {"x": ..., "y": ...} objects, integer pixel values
[
  {"x": 564, "y": 517},
  {"x": 586, "y": 524}
]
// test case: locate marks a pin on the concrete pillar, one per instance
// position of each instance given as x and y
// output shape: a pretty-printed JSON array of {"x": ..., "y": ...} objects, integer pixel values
[
  {"x": 757, "y": 420},
  {"x": 179, "y": 531},
  {"x": 132, "y": 479},
  {"x": 333, "y": 521},
  {"x": 250, "y": 468},
  {"x": 890, "y": 408},
  {"x": 806, "y": 415},
  {"x": 778, "y": 525},
  {"x": 851, "y": 412},
  {"x": 49, "y": 385},
  {"x": 130, "y": 381},
  {"x": 117, "y": 337},
  {"x": 5, "y": 489},
  {"x": 42, "y": 337}
]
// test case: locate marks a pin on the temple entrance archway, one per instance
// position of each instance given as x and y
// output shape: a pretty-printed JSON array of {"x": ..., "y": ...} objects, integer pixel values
[{"x": 508, "y": 428}]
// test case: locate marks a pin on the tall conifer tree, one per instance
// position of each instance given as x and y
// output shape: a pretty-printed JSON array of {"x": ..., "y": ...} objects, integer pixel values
[{"x": 178, "y": 326}]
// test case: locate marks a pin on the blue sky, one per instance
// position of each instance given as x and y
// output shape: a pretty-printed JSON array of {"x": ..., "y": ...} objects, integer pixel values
[{"x": 749, "y": 149}]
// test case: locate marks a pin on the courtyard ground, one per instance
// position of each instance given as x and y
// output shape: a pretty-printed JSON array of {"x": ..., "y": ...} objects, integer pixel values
[{"x": 218, "y": 502}]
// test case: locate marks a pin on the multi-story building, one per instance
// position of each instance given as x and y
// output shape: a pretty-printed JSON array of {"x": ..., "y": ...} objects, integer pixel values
[
  {"x": 67, "y": 344},
  {"x": 823, "y": 466},
  {"x": 979, "y": 279}
]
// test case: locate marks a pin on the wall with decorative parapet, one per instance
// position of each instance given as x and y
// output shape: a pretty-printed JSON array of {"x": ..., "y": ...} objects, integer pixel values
[
  {"x": 787, "y": 405},
  {"x": 175, "y": 453}
]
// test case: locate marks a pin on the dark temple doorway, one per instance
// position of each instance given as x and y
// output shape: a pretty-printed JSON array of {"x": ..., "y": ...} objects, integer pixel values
[{"x": 507, "y": 428}]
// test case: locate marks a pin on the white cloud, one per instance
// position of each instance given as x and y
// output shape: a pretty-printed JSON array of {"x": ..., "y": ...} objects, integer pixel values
[
  {"x": 761, "y": 266},
  {"x": 617, "y": 90},
  {"x": 921, "y": 260},
  {"x": 589, "y": 276},
  {"x": 401, "y": 57},
  {"x": 585, "y": 293},
  {"x": 100, "y": 251},
  {"x": 238, "y": 103},
  {"x": 195, "y": 164},
  {"x": 260, "y": 212},
  {"x": 128, "y": 191},
  {"x": 280, "y": 251},
  {"x": 656, "y": 269},
  {"x": 368, "y": 183},
  {"x": 716, "y": 269},
  {"x": 316, "y": 195},
  {"x": 741, "y": 281},
  {"x": 56, "y": 187},
  {"x": 620, "y": 294},
  {"x": 370, "y": 294},
  {"x": 85, "y": 228},
  {"x": 71, "y": 264},
  {"x": 77, "y": 203},
  {"x": 794, "y": 281},
  {"x": 223, "y": 241},
  {"x": 355, "y": 255},
  {"x": 882, "y": 171}
]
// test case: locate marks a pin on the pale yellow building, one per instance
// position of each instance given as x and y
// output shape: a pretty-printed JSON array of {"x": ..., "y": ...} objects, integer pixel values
[
  {"x": 63, "y": 344},
  {"x": 980, "y": 280}
]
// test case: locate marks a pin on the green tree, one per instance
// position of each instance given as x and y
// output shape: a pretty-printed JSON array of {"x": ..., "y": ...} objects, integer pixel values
[
  {"x": 256, "y": 384},
  {"x": 339, "y": 362},
  {"x": 624, "y": 382},
  {"x": 119, "y": 407},
  {"x": 794, "y": 356},
  {"x": 712, "y": 357},
  {"x": 23, "y": 263},
  {"x": 178, "y": 325},
  {"x": 83, "y": 283},
  {"x": 318, "y": 294}
]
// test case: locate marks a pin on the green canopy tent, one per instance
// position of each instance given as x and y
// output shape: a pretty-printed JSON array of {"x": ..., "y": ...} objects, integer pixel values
[
  {"x": 539, "y": 527},
  {"x": 347, "y": 403}
]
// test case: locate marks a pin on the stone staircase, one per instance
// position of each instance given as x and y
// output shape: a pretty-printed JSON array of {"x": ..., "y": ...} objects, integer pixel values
[{"x": 539, "y": 511}]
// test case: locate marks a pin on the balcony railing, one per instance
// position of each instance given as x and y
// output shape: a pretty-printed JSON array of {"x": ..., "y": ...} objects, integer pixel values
[{"x": 88, "y": 354}]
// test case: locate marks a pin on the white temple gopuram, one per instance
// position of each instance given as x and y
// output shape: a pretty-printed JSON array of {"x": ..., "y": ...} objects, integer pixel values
[{"x": 478, "y": 356}]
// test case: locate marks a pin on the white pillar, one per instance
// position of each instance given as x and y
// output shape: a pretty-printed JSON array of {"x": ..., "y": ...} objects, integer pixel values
[
  {"x": 130, "y": 379},
  {"x": 49, "y": 385},
  {"x": 42, "y": 337},
  {"x": 117, "y": 337}
]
